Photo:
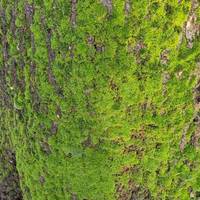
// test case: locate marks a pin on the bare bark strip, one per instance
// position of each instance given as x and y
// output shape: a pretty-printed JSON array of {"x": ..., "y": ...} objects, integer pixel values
[
  {"x": 4, "y": 95},
  {"x": 13, "y": 18},
  {"x": 14, "y": 78},
  {"x": 4, "y": 41},
  {"x": 192, "y": 28},
  {"x": 21, "y": 62},
  {"x": 73, "y": 13},
  {"x": 51, "y": 58},
  {"x": 137, "y": 50},
  {"x": 165, "y": 79},
  {"x": 9, "y": 186},
  {"x": 5, "y": 47},
  {"x": 108, "y": 4},
  {"x": 183, "y": 138},
  {"x": 127, "y": 7},
  {"x": 29, "y": 11},
  {"x": 33, "y": 87},
  {"x": 3, "y": 21},
  {"x": 164, "y": 57},
  {"x": 6, "y": 99},
  {"x": 196, "y": 136},
  {"x": 33, "y": 43}
]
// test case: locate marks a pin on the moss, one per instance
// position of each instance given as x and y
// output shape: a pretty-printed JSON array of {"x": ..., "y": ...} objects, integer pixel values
[{"x": 119, "y": 124}]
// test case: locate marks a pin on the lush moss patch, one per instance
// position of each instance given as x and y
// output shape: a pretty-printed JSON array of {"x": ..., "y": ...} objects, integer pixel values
[{"x": 99, "y": 109}]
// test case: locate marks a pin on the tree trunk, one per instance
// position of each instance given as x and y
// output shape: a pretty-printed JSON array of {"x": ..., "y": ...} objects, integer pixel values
[{"x": 100, "y": 98}]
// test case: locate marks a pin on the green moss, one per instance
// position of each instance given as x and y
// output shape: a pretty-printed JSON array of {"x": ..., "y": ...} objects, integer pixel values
[{"x": 116, "y": 126}]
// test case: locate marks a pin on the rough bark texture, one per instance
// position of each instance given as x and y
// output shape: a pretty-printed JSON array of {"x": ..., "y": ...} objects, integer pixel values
[{"x": 99, "y": 100}]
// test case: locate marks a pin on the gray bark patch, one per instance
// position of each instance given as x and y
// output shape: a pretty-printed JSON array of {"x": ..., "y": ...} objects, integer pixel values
[
  {"x": 73, "y": 13},
  {"x": 9, "y": 186},
  {"x": 29, "y": 11},
  {"x": 108, "y": 4},
  {"x": 127, "y": 7},
  {"x": 192, "y": 28}
]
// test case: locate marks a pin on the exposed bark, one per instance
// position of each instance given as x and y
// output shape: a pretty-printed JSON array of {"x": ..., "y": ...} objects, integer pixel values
[
  {"x": 73, "y": 13},
  {"x": 108, "y": 4},
  {"x": 51, "y": 57},
  {"x": 192, "y": 28},
  {"x": 127, "y": 7},
  {"x": 9, "y": 186}
]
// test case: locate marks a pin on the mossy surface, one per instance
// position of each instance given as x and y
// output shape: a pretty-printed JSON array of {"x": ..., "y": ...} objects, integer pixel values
[{"x": 95, "y": 102}]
